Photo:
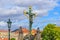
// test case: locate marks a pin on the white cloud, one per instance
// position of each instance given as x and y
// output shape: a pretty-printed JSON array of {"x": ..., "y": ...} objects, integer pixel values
[
  {"x": 42, "y": 4},
  {"x": 33, "y": 2},
  {"x": 41, "y": 12},
  {"x": 13, "y": 10},
  {"x": 17, "y": 6},
  {"x": 2, "y": 23}
]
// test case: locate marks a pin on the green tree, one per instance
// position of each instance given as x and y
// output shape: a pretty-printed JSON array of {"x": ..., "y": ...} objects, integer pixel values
[
  {"x": 12, "y": 38},
  {"x": 49, "y": 33}
]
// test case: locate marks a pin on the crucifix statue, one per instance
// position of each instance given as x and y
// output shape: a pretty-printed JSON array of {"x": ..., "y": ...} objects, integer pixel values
[{"x": 30, "y": 15}]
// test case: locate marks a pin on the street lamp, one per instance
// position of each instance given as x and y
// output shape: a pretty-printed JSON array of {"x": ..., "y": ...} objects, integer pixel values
[
  {"x": 9, "y": 26},
  {"x": 30, "y": 15}
]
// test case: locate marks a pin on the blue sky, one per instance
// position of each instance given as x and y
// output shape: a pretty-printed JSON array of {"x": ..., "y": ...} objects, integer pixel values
[{"x": 47, "y": 11}]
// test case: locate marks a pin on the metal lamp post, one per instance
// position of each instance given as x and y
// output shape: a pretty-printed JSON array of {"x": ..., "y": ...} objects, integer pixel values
[
  {"x": 9, "y": 26},
  {"x": 30, "y": 15}
]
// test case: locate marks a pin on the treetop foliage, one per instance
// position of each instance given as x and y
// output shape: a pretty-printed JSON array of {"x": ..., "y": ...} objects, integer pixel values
[{"x": 49, "y": 32}]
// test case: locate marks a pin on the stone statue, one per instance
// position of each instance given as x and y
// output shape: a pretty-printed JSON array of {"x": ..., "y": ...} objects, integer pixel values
[
  {"x": 20, "y": 36},
  {"x": 38, "y": 35}
]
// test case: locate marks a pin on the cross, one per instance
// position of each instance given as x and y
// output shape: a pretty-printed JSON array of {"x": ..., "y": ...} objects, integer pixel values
[{"x": 31, "y": 15}]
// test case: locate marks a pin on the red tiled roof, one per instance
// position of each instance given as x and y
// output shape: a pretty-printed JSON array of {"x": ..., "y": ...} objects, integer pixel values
[
  {"x": 3, "y": 38},
  {"x": 26, "y": 31},
  {"x": 33, "y": 31},
  {"x": 3, "y": 30}
]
